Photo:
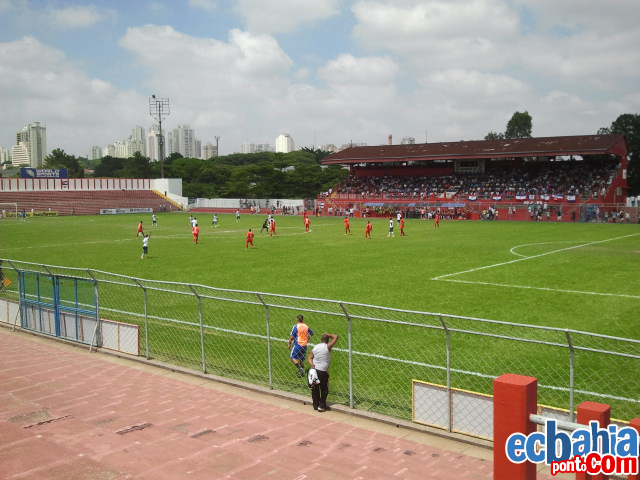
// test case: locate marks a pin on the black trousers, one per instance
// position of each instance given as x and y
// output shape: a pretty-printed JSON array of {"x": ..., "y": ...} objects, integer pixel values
[{"x": 319, "y": 392}]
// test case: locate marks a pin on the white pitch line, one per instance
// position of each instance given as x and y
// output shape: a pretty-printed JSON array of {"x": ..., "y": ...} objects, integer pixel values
[
  {"x": 543, "y": 288},
  {"x": 533, "y": 256},
  {"x": 512, "y": 250}
]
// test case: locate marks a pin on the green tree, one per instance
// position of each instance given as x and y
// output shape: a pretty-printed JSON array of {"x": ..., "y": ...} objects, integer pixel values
[
  {"x": 629, "y": 125},
  {"x": 494, "y": 136},
  {"x": 108, "y": 167},
  {"x": 59, "y": 159},
  {"x": 519, "y": 126},
  {"x": 135, "y": 167}
]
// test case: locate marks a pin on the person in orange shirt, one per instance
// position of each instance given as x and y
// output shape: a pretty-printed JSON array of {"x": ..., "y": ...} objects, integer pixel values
[
  {"x": 140, "y": 231},
  {"x": 272, "y": 228},
  {"x": 196, "y": 232},
  {"x": 402, "y": 234},
  {"x": 347, "y": 229},
  {"x": 307, "y": 224},
  {"x": 436, "y": 223},
  {"x": 250, "y": 239},
  {"x": 367, "y": 230},
  {"x": 300, "y": 334}
]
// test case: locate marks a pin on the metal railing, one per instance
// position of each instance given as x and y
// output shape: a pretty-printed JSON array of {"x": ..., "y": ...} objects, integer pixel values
[{"x": 243, "y": 335}]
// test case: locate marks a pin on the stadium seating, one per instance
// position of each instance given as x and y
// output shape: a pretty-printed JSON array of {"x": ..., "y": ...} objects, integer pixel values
[
  {"x": 559, "y": 178},
  {"x": 88, "y": 202}
]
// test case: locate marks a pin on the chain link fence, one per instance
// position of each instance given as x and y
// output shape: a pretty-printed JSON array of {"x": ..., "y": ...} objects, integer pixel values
[{"x": 381, "y": 351}]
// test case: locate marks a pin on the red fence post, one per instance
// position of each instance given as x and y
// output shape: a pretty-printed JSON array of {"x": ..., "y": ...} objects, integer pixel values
[
  {"x": 635, "y": 423},
  {"x": 601, "y": 412},
  {"x": 515, "y": 397}
]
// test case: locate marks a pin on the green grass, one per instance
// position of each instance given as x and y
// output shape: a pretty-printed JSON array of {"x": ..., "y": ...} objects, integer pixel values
[{"x": 594, "y": 288}]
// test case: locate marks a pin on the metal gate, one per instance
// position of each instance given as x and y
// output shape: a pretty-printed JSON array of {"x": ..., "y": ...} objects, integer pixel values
[{"x": 61, "y": 306}]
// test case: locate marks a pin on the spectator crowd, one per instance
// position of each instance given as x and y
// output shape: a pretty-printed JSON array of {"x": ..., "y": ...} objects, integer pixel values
[{"x": 557, "y": 178}]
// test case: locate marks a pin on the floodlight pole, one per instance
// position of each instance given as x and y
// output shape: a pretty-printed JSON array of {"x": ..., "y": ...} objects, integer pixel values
[
  {"x": 159, "y": 110},
  {"x": 217, "y": 137}
]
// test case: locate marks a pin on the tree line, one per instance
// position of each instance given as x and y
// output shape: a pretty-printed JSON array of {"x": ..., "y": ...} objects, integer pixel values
[
  {"x": 255, "y": 175},
  {"x": 288, "y": 175}
]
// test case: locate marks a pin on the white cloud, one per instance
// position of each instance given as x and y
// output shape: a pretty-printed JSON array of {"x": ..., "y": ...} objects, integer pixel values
[
  {"x": 39, "y": 83},
  {"x": 208, "y": 5},
  {"x": 78, "y": 16},
  {"x": 437, "y": 34},
  {"x": 284, "y": 16}
]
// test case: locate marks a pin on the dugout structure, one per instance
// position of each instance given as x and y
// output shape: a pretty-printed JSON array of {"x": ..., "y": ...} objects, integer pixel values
[{"x": 445, "y": 159}]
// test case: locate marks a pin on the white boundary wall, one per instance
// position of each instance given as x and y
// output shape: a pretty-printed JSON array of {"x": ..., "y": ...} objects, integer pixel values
[{"x": 246, "y": 203}]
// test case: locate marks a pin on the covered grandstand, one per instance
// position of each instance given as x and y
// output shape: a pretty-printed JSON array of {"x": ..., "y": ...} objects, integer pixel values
[{"x": 584, "y": 174}]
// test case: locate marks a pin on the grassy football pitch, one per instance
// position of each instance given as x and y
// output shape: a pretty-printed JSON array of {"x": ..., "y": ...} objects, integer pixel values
[{"x": 577, "y": 276}]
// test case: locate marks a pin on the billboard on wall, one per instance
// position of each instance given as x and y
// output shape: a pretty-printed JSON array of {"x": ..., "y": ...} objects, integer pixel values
[{"x": 44, "y": 173}]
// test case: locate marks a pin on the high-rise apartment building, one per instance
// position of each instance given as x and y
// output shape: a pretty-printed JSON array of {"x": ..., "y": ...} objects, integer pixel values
[
  {"x": 263, "y": 147},
  {"x": 153, "y": 149},
  {"x": 20, "y": 155},
  {"x": 284, "y": 143},
  {"x": 248, "y": 148},
  {"x": 182, "y": 140},
  {"x": 96, "y": 153},
  {"x": 4, "y": 155},
  {"x": 34, "y": 137},
  {"x": 209, "y": 150}
]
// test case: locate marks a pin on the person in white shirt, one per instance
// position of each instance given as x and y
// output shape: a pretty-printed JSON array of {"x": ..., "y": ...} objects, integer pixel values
[
  {"x": 215, "y": 220},
  {"x": 194, "y": 222},
  {"x": 145, "y": 246},
  {"x": 399, "y": 216},
  {"x": 390, "y": 234},
  {"x": 154, "y": 220},
  {"x": 237, "y": 216},
  {"x": 319, "y": 359}
]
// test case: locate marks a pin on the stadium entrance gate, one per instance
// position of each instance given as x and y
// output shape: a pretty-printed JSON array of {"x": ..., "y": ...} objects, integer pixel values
[{"x": 57, "y": 305}]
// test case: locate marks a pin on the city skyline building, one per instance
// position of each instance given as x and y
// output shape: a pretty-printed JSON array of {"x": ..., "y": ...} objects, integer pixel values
[
  {"x": 209, "y": 151},
  {"x": 34, "y": 138},
  {"x": 284, "y": 143},
  {"x": 20, "y": 155}
]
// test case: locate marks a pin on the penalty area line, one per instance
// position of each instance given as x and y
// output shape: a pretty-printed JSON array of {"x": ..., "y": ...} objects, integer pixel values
[{"x": 533, "y": 256}]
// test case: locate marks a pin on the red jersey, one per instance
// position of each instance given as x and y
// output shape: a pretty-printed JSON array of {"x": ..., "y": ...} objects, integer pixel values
[
  {"x": 346, "y": 222},
  {"x": 140, "y": 227},
  {"x": 437, "y": 217},
  {"x": 307, "y": 221},
  {"x": 196, "y": 230},
  {"x": 402, "y": 223},
  {"x": 369, "y": 227},
  {"x": 249, "y": 236}
]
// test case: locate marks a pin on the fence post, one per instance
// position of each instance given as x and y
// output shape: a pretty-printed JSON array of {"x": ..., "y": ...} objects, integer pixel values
[
  {"x": 97, "y": 295},
  {"x": 19, "y": 296},
  {"x": 349, "y": 341},
  {"x": 266, "y": 307},
  {"x": 600, "y": 412},
  {"x": 571, "y": 376},
  {"x": 204, "y": 363},
  {"x": 446, "y": 331},
  {"x": 146, "y": 318},
  {"x": 515, "y": 397}
]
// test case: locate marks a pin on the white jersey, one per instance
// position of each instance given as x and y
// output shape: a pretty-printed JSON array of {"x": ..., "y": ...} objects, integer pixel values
[
  {"x": 391, "y": 224},
  {"x": 194, "y": 223},
  {"x": 145, "y": 242},
  {"x": 399, "y": 216}
]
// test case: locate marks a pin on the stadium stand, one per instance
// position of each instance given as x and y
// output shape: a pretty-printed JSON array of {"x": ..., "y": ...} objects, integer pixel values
[
  {"x": 83, "y": 196},
  {"x": 582, "y": 174},
  {"x": 85, "y": 203}
]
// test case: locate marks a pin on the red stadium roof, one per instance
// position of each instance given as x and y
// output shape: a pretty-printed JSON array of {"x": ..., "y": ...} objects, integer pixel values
[{"x": 517, "y": 147}]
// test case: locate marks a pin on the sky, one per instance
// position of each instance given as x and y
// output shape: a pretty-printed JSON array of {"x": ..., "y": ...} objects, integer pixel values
[{"x": 324, "y": 71}]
